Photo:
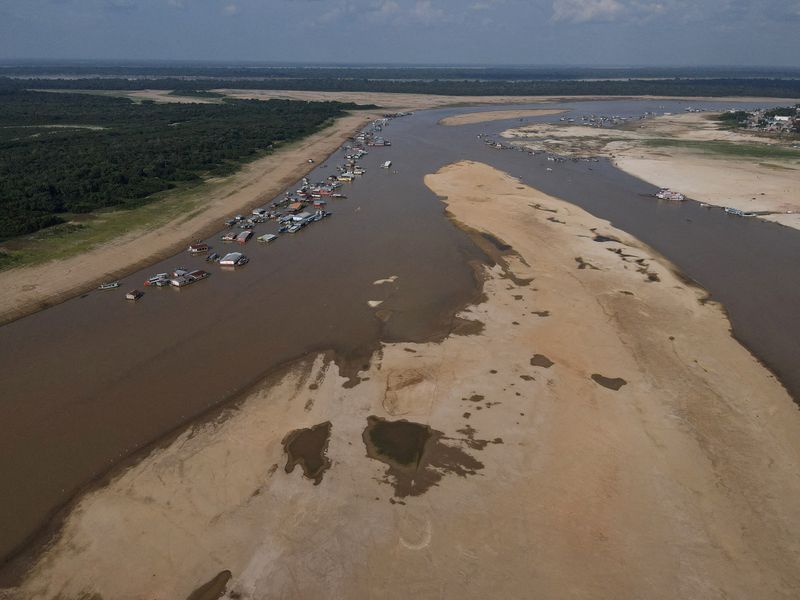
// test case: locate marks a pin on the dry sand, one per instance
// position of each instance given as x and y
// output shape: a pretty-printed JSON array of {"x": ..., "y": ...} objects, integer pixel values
[
  {"x": 749, "y": 184},
  {"x": 25, "y": 290},
  {"x": 497, "y": 115},
  {"x": 164, "y": 96},
  {"x": 681, "y": 484},
  {"x": 407, "y": 102}
]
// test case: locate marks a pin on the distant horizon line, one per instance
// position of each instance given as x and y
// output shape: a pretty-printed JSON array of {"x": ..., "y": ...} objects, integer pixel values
[{"x": 133, "y": 62}]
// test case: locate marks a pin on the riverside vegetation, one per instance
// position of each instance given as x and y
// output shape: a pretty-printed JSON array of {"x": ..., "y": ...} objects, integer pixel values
[{"x": 67, "y": 154}]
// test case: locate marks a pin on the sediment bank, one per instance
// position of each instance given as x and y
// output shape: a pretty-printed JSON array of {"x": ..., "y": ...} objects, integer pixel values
[{"x": 601, "y": 414}]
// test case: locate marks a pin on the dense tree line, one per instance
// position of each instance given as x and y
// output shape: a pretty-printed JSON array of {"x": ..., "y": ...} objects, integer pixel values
[
  {"x": 774, "y": 87},
  {"x": 388, "y": 72},
  {"x": 74, "y": 153}
]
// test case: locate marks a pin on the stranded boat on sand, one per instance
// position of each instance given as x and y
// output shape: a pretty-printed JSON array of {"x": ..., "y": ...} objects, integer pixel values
[
  {"x": 738, "y": 213},
  {"x": 667, "y": 194}
]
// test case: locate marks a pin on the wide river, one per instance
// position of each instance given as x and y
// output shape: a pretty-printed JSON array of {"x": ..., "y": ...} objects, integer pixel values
[{"x": 91, "y": 382}]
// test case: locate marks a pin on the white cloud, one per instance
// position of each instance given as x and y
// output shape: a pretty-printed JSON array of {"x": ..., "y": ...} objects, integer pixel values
[
  {"x": 581, "y": 11},
  {"x": 230, "y": 9},
  {"x": 426, "y": 12}
]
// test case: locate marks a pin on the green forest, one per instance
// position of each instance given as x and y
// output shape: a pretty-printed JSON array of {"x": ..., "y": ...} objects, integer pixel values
[
  {"x": 63, "y": 153},
  {"x": 734, "y": 86}
]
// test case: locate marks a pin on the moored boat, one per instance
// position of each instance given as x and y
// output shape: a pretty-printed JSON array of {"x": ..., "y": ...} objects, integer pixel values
[
  {"x": 233, "y": 259},
  {"x": 109, "y": 286}
]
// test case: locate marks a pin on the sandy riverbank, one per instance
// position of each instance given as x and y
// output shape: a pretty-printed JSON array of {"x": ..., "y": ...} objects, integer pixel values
[
  {"x": 600, "y": 434},
  {"x": 497, "y": 115},
  {"x": 28, "y": 289},
  {"x": 745, "y": 182},
  {"x": 407, "y": 102}
]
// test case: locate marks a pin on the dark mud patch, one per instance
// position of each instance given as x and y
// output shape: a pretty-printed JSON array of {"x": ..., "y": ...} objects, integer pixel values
[
  {"x": 213, "y": 589},
  {"x": 644, "y": 269},
  {"x": 621, "y": 253},
  {"x": 474, "y": 398},
  {"x": 605, "y": 238},
  {"x": 612, "y": 383},
  {"x": 582, "y": 264},
  {"x": 463, "y": 326},
  {"x": 496, "y": 242},
  {"x": 541, "y": 313},
  {"x": 554, "y": 220},
  {"x": 307, "y": 448},
  {"x": 496, "y": 250},
  {"x": 415, "y": 454},
  {"x": 527, "y": 378},
  {"x": 540, "y": 360},
  {"x": 542, "y": 208},
  {"x": 470, "y": 440}
]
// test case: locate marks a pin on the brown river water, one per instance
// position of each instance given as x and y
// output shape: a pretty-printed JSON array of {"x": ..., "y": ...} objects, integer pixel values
[{"x": 91, "y": 382}]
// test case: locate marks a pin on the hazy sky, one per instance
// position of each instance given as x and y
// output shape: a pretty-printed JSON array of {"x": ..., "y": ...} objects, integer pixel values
[{"x": 619, "y": 32}]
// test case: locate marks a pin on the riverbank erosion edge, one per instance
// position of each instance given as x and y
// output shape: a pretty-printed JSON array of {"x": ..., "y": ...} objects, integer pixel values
[{"x": 600, "y": 413}]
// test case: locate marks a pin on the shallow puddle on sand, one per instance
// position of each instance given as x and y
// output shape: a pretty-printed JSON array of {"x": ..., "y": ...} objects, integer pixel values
[
  {"x": 212, "y": 589},
  {"x": 540, "y": 360},
  {"x": 416, "y": 457},
  {"x": 612, "y": 383},
  {"x": 307, "y": 448}
]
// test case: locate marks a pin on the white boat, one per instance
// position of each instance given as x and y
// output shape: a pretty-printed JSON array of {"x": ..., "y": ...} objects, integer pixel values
[
  {"x": 157, "y": 278},
  {"x": 233, "y": 259},
  {"x": 267, "y": 238},
  {"x": 386, "y": 165},
  {"x": 667, "y": 194},
  {"x": 109, "y": 286}
]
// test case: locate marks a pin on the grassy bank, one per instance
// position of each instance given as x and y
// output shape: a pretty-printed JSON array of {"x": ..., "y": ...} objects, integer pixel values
[
  {"x": 84, "y": 232},
  {"x": 727, "y": 149}
]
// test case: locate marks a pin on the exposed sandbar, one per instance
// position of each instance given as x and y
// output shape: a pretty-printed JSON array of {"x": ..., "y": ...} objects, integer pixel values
[
  {"x": 681, "y": 482},
  {"x": 652, "y": 150},
  {"x": 498, "y": 115}
]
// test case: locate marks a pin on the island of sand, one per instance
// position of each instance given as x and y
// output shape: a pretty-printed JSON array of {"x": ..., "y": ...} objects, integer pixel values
[
  {"x": 594, "y": 433},
  {"x": 689, "y": 153}
]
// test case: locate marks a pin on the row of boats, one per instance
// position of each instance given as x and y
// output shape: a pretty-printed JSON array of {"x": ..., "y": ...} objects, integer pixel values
[{"x": 289, "y": 212}]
